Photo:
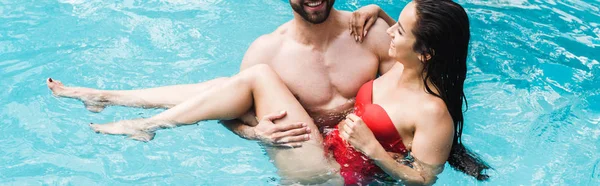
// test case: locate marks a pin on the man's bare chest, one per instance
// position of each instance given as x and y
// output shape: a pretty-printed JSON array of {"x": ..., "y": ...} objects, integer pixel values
[{"x": 318, "y": 77}]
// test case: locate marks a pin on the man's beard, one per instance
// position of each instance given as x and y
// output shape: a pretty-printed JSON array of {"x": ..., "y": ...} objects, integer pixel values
[{"x": 315, "y": 17}]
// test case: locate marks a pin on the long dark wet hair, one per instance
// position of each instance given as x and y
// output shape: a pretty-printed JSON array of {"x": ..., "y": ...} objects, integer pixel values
[{"x": 442, "y": 38}]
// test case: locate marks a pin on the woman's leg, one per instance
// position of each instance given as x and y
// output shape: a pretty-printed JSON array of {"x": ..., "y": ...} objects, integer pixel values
[
  {"x": 160, "y": 97},
  {"x": 258, "y": 86}
]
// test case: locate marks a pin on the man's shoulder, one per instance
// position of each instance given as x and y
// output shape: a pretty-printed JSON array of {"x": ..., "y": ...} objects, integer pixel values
[
  {"x": 377, "y": 41},
  {"x": 378, "y": 33},
  {"x": 345, "y": 13},
  {"x": 265, "y": 42},
  {"x": 273, "y": 39},
  {"x": 264, "y": 48},
  {"x": 377, "y": 38}
]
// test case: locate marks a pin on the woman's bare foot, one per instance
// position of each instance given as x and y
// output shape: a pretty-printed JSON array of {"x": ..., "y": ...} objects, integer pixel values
[
  {"x": 91, "y": 98},
  {"x": 139, "y": 129}
]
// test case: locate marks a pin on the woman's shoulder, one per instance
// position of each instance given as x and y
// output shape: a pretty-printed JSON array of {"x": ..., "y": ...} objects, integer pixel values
[
  {"x": 434, "y": 105},
  {"x": 434, "y": 111}
]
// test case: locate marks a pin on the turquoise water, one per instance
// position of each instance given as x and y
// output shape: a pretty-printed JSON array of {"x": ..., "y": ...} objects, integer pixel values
[{"x": 533, "y": 89}]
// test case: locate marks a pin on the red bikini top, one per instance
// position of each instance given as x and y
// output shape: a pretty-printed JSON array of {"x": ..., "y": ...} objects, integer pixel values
[{"x": 377, "y": 119}]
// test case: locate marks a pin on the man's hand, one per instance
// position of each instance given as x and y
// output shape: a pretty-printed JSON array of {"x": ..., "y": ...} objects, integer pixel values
[
  {"x": 362, "y": 20},
  {"x": 290, "y": 135}
]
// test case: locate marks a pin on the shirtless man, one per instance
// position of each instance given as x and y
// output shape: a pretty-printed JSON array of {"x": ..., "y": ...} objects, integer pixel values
[
  {"x": 320, "y": 62},
  {"x": 314, "y": 54}
]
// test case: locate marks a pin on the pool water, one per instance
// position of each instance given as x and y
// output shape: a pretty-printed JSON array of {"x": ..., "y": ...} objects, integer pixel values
[{"x": 533, "y": 88}]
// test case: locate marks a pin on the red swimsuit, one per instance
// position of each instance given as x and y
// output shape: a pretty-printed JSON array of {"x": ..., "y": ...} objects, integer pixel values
[{"x": 355, "y": 167}]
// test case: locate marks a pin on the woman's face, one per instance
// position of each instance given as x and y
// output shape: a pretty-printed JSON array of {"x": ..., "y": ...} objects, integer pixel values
[{"x": 401, "y": 47}]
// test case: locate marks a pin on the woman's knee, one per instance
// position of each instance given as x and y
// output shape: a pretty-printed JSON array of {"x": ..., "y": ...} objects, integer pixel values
[
  {"x": 253, "y": 74},
  {"x": 263, "y": 71}
]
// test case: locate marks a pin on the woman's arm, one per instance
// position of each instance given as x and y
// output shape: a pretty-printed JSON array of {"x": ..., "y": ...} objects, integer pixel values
[
  {"x": 420, "y": 173},
  {"x": 363, "y": 18},
  {"x": 430, "y": 147}
]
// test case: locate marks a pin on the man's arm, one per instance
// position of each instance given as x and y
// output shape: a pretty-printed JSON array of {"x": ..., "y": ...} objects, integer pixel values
[
  {"x": 240, "y": 128},
  {"x": 373, "y": 22},
  {"x": 379, "y": 42},
  {"x": 243, "y": 126}
]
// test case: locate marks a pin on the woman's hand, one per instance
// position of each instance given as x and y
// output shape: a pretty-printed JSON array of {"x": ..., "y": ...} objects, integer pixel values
[
  {"x": 362, "y": 20},
  {"x": 356, "y": 132}
]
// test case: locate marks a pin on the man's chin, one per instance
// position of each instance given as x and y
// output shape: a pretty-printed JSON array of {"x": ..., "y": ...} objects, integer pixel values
[
  {"x": 316, "y": 22},
  {"x": 316, "y": 19}
]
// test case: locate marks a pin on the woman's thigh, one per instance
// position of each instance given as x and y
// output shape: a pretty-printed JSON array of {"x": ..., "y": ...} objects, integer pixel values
[{"x": 308, "y": 163}]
